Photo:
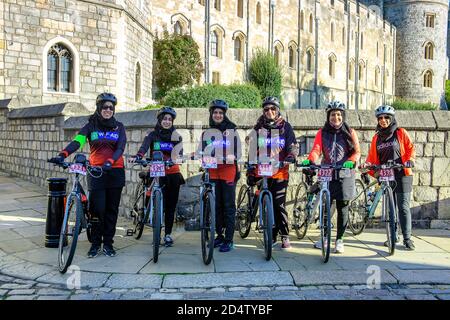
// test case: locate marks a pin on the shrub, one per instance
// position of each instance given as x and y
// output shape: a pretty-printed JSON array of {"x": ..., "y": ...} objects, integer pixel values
[
  {"x": 447, "y": 93},
  {"x": 152, "y": 106},
  {"x": 177, "y": 62},
  {"x": 265, "y": 73},
  {"x": 236, "y": 95},
  {"x": 403, "y": 104}
]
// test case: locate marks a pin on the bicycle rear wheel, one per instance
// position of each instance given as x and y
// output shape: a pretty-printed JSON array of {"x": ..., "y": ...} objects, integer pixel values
[
  {"x": 70, "y": 230},
  {"x": 325, "y": 228},
  {"x": 138, "y": 211},
  {"x": 300, "y": 215},
  {"x": 243, "y": 212},
  {"x": 391, "y": 220},
  {"x": 267, "y": 216},
  {"x": 357, "y": 214},
  {"x": 156, "y": 224},
  {"x": 208, "y": 226}
]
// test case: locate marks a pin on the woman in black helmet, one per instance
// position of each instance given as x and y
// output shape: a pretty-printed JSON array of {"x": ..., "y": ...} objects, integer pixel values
[
  {"x": 222, "y": 141},
  {"x": 274, "y": 139},
  {"x": 166, "y": 139},
  {"x": 107, "y": 139}
]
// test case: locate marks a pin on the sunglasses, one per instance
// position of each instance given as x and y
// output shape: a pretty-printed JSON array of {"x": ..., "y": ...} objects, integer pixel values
[
  {"x": 384, "y": 117},
  {"x": 218, "y": 112},
  {"x": 270, "y": 108},
  {"x": 108, "y": 108}
]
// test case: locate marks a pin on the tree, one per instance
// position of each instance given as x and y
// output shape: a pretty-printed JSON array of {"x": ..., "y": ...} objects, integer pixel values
[
  {"x": 177, "y": 62},
  {"x": 265, "y": 73}
]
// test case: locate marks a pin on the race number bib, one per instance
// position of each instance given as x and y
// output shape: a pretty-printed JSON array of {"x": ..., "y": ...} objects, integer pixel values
[
  {"x": 209, "y": 163},
  {"x": 325, "y": 175},
  {"x": 265, "y": 170},
  {"x": 387, "y": 175},
  {"x": 77, "y": 168},
  {"x": 157, "y": 170}
]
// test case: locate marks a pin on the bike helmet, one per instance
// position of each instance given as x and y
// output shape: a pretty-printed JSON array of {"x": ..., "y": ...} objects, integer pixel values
[
  {"x": 271, "y": 100},
  {"x": 105, "y": 96},
  {"x": 218, "y": 104},
  {"x": 335, "y": 105},
  {"x": 384, "y": 109},
  {"x": 166, "y": 110}
]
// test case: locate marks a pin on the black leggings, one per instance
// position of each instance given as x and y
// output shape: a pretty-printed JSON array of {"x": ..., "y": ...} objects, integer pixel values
[
  {"x": 225, "y": 208},
  {"x": 278, "y": 189},
  {"x": 171, "y": 189},
  {"x": 104, "y": 208},
  {"x": 342, "y": 218}
]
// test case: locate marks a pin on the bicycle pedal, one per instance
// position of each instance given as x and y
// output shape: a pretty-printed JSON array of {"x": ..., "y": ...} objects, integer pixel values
[{"x": 130, "y": 232}]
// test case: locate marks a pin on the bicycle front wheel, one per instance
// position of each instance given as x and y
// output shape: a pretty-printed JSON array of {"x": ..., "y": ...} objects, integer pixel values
[
  {"x": 243, "y": 212},
  {"x": 70, "y": 230},
  {"x": 391, "y": 223},
  {"x": 157, "y": 215},
  {"x": 300, "y": 214},
  {"x": 325, "y": 228},
  {"x": 357, "y": 214},
  {"x": 208, "y": 226},
  {"x": 267, "y": 216}
]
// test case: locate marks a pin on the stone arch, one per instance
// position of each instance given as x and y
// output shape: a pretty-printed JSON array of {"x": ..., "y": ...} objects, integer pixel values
[
  {"x": 183, "y": 21},
  {"x": 218, "y": 32},
  {"x": 293, "y": 52},
  {"x": 75, "y": 63},
  {"x": 310, "y": 61},
  {"x": 332, "y": 65},
  {"x": 239, "y": 39}
]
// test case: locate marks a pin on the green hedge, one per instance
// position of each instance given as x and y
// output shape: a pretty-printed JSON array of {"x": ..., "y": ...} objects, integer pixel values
[
  {"x": 236, "y": 95},
  {"x": 403, "y": 104}
]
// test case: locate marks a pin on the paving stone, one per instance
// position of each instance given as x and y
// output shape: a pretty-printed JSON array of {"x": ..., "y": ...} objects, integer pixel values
[
  {"x": 422, "y": 276},
  {"x": 108, "y": 296},
  {"x": 13, "y": 286},
  {"x": 232, "y": 289},
  {"x": 82, "y": 297},
  {"x": 167, "y": 296},
  {"x": 325, "y": 287},
  {"x": 6, "y": 278},
  {"x": 52, "y": 292},
  {"x": 43, "y": 285},
  {"x": 412, "y": 292},
  {"x": 420, "y": 297},
  {"x": 21, "y": 292},
  {"x": 28, "y": 270},
  {"x": 287, "y": 288},
  {"x": 87, "y": 279},
  {"x": 3, "y": 292},
  {"x": 61, "y": 297},
  {"x": 342, "y": 287},
  {"x": 444, "y": 297},
  {"x": 228, "y": 279},
  {"x": 337, "y": 277},
  {"x": 132, "y": 281},
  {"x": 165, "y": 290},
  {"x": 308, "y": 288},
  {"x": 395, "y": 297},
  {"x": 260, "y": 289},
  {"x": 439, "y": 291},
  {"x": 189, "y": 290},
  {"x": 375, "y": 292},
  {"x": 20, "y": 298},
  {"x": 217, "y": 290},
  {"x": 420, "y": 286}
]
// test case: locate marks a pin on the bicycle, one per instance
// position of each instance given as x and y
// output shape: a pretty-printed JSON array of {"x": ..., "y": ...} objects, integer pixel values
[
  {"x": 258, "y": 204},
  {"x": 147, "y": 203},
  {"x": 319, "y": 197},
  {"x": 361, "y": 211},
  {"x": 76, "y": 214}
]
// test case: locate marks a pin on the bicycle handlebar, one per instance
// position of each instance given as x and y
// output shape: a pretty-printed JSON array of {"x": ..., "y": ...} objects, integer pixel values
[
  {"x": 321, "y": 166},
  {"x": 388, "y": 165},
  {"x": 147, "y": 161},
  {"x": 87, "y": 165}
]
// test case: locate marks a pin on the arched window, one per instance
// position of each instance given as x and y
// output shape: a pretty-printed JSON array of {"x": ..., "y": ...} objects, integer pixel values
[
  {"x": 202, "y": 2},
  {"x": 177, "y": 28},
  {"x": 377, "y": 49},
  {"x": 214, "y": 44},
  {"x": 377, "y": 76},
  {"x": 137, "y": 83},
  {"x": 311, "y": 21},
  {"x": 332, "y": 3},
  {"x": 429, "y": 50},
  {"x": 362, "y": 41},
  {"x": 258, "y": 13},
  {"x": 217, "y": 4},
  {"x": 240, "y": 8},
  {"x": 302, "y": 20},
  {"x": 428, "y": 79},
  {"x": 343, "y": 36},
  {"x": 276, "y": 55},
  {"x": 60, "y": 69},
  {"x": 361, "y": 70},
  {"x": 310, "y": 60},
  {"x": 332, "y": 65},
  {"x": 238, "y": 47},
  {"x": 351, "y": 70},
  {"x": 332, "y": 32},
  {"x": 292, "y": 56}
]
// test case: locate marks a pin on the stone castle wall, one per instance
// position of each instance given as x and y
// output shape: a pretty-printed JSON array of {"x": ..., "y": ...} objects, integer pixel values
[
  {"x": 105, "y": 39},
  {"x": 33, "y": 135}
]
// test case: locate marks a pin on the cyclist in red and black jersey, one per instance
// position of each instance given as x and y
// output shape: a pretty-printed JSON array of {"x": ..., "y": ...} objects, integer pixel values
[
  {"x": 273, "y": 138},
  {"x": 221, "y": 140},
  {"x": 166, "y": 139},
  {"x": 107, "y": 139}
]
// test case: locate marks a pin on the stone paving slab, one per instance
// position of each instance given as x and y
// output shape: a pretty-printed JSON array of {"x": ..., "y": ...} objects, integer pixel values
[
  {"x": 228, "y": 279},
  {"x": 117, "y": 264},
  {"x": 27, "y": 270},
  {"x": 422, "y": 276},
  {"x": 337, "y": 277},
  {"x": 178, "y": 263},
  {"x": 31, "y": 231},
  {"x": 411, "y": 260},
  {"x": 125, "y": 281},
  {"x": 7, "y": 235},
  {"x": 87, "y": 279}
]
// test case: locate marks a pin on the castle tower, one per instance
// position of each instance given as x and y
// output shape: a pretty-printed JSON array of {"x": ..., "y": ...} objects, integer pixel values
[{"x": 421, "y": 48}]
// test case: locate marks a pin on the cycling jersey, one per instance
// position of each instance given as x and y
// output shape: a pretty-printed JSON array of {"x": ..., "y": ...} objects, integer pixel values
[
  {"x": 169, "y": 149},
  {"x": 105, "y": 144},
  {"x": 398, "y": 148}
]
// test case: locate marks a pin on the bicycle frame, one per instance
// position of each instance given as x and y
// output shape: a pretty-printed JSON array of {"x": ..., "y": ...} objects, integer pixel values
[
  {"x": 205, "y": 187},
  {"x": 264, "y": 190},
  {"x": 154, "y": 187}
]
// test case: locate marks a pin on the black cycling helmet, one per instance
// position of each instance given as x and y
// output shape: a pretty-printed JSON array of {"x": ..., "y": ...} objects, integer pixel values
[
  {"x": 271, "y": 100},
  {"x": 335, "y": 105},
  {"x": 166, "y": 110},
  {"x": 218, "y": 104},
  {"x": 105, "y": 96}
]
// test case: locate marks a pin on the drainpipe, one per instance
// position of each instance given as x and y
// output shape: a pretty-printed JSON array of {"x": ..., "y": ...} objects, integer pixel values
[
  {"x": 358, "y": 34},
  {"x": 299, "y": 91},
  {"x": 347, "y": 84},
  {"x": 207, "y": 44},
  {"x": 247, "y": 42},
  {"x": 316, "y": 57}
]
